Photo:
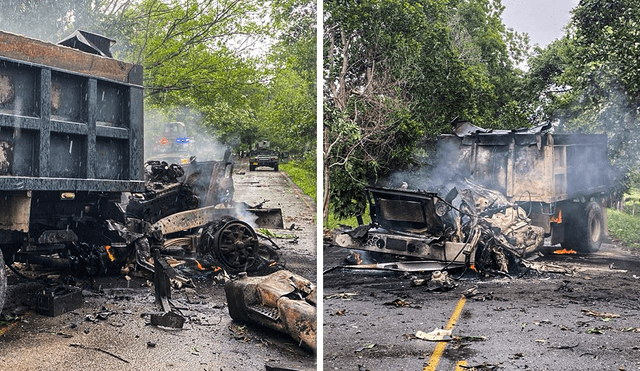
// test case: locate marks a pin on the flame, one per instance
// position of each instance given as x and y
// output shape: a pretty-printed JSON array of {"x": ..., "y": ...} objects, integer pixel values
[
  {"x": 565, "y": 251},
  {"x": 556, "y": 219},
  {"x": 200, "y": 267},
  {"x": 473, "y": 267},
  {"x": 111, "y": 257},
  {"x": 273, "y": 263},
  {"x": 216, "y": 269},
  {"x": 164, "y": 141}
]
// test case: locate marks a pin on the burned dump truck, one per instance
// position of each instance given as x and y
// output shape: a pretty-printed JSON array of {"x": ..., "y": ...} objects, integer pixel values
[
  {"x": 492, "y": 198},
  {"x": 75, "y": 192}
]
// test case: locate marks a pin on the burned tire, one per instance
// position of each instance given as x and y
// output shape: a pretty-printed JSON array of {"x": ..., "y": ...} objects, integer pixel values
[
  {"x": 3, "y": 281},
  {"x": 584, "y": 232},
  {"x": 252, "y": 168},
  {"x": 594, "y": 228}
]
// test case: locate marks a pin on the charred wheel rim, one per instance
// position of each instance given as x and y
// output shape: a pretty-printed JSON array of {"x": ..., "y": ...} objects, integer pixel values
[{"x": 236, "y": 245}]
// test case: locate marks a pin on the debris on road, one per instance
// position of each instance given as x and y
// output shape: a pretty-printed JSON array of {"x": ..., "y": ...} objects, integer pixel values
[
  {"x": 593, "y": 313},
  {"x": 282, "y": 301},
  {"x": 53, "y": 301},
  {"x": 435, "y": 335}
]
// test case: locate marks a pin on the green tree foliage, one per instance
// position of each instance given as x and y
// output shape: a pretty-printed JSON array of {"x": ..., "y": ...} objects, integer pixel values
[
  {"x": 588, "y": 82},
  {"x": 289, "y": 113},
  {"x": 245, "y": 70},
  {"x": 397, "y": 71}
]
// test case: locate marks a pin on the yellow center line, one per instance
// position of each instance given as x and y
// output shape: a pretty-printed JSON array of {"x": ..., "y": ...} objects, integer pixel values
[{"x": 437, "y": 353}]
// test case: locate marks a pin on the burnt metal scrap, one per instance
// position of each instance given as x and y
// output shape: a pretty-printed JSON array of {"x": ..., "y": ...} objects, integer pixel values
[
  {"x": 283, "y": 301},
  {"x": 470, "y": 226}
]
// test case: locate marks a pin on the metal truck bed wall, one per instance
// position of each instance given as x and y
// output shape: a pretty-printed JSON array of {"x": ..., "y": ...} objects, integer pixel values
[
  {"x": 69, "y": 120},
  {"x": 548, "y": 167}
]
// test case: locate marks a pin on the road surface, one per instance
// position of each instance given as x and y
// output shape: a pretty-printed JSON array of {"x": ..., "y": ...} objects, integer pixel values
[{"x": 111, "y": 331}]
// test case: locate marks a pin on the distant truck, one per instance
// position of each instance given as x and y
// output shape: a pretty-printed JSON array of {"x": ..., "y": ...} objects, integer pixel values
[{"x": 263, "y": 155}]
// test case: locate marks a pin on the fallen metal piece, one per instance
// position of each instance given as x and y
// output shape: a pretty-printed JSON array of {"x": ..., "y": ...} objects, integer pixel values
[
  {"x": 169, "y": 319},
  {"x": 405, "y": 266},
  {"x": 283, "y": 301},
  {"x": 59, "y": 300},
  {"x": 162, "y": 281}
]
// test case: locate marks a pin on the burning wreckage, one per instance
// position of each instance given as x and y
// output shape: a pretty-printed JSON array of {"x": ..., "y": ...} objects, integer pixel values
[
  {"x": 511, "y": 189},
  {"x": 75, "y": 193}
]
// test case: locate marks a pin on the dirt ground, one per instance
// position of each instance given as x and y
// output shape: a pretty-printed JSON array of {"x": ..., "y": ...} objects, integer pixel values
[
  {"x": 111, "y": 331},
  {"x": 586, "y": 320}
]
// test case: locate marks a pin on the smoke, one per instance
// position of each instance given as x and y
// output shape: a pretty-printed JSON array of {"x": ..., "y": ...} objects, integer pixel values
[
  {"x": 605, "y": 107},
  {"x": 437, "y": 170}
]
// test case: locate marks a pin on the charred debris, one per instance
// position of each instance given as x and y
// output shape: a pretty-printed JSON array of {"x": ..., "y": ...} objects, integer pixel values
[{"x": 500, "y": 194}]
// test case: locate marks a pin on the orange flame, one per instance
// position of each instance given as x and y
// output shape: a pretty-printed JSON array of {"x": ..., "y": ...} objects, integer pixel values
[
  {"x": 473, "y": 267},
  {"x": 273, "y": 263},
  {"x": 556, "y": 219},
  {"x": 565, "y": 251},
  {"x": 216, "y": 269},
  {"x": 109, "y": 253},
  {"x": 200, "y": 267}
]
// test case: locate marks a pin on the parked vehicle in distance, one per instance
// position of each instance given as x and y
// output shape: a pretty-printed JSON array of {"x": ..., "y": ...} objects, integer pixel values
[{"x": 264, "y": 157}]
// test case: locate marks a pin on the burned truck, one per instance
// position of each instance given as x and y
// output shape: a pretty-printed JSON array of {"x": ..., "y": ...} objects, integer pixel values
[
  {"x": 75, "y": 192},
  {"x": 494, "y": 195}
]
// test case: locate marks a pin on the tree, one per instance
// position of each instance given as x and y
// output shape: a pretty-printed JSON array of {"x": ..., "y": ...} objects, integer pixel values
[
  {"x": 586, "y": 82},
  {"x": 396, "y": 71}
]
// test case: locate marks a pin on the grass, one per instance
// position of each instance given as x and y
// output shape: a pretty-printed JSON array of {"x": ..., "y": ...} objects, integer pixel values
[
  {"x": 624, "y": 227},
  {"x": 633, "y": 197},
  {"x": 303, "y": 175},
  {"x": 353, "y": 222}
]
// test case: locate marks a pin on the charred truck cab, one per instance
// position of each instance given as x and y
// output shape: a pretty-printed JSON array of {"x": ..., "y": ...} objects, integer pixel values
[{"x": 504, "y": 192}]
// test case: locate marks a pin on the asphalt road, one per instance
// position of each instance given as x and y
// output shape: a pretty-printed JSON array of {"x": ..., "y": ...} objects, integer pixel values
[
  {"x": 587, "y": 320},
  {"x": 111, "y": 331}
]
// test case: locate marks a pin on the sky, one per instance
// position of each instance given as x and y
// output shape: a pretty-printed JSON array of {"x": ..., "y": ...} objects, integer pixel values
[{"x": 543, "y": 20}]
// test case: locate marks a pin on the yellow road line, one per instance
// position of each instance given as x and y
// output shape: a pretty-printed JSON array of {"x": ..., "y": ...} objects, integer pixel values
[
  {"x": 458, "y": 366},
  {"x": 437, "y": 353}
]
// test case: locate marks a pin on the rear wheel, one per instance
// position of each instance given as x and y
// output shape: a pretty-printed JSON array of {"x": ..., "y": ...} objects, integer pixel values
[
  {"x": 3, "y": 281},
  {"x": 585, "y": 230},
  {"x": 595, "y": 227}
]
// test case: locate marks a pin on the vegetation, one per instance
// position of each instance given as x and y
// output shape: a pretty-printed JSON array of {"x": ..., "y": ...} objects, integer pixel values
[
  {"x": 303, "y": 174},
  {"x": 397, "y": 72},
  {"x": 624, "y": 227},
  {"x": 242, "y": 70}
]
